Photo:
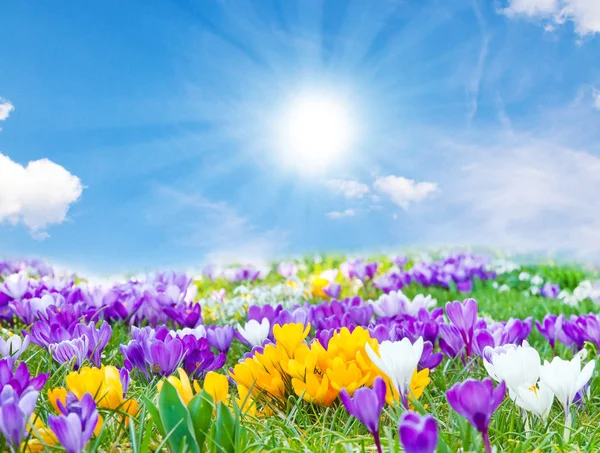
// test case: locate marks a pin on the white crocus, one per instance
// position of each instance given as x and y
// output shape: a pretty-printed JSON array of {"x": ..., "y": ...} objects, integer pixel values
[
  {"x": 535, "y": 399},
  {"x": 255, "y": 333},
  {"x": 15, "y": 285},
  {"x": 565, "y": 379},
  {"x": 14, "y": 346},
  {"x": 40, "y": 305},
  {"x": 412, "y": 307},
  {"x": 198, "y": 332},
  {"x": 398, "y": 361},
  {"x": 517, "y": 366}
]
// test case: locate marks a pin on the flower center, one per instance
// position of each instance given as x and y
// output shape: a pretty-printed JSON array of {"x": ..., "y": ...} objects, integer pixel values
[{"x": 534, "y": 389}]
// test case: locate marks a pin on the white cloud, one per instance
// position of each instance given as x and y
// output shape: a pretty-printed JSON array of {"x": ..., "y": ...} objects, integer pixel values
[
  {"x": 403, "y": 191},
  {"x": 5, "y": 108},
  {"x": 341, "y": 214},
  {"x": 585, "y": 14},
  {"x": 216, "y": 227},
  {"x": 532, "y": 7},
  {"x": 348, "y": 187},
  {"x": 596, "y": 98},
  {"x": 526, "y": 194},
  {"x": 37, "y": 195}
]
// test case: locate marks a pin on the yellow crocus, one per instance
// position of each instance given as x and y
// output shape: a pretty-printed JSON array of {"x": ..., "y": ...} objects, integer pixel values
[
  {"x": 41, "y": 435},
  {"x": 182, "y": 385},
  {"x": 317, "y": 287},
  {"x": 346, "y": 375},
  {"x": 57, "y": 394},
  {"x": 315, "y": 389},
  {"x": 217, "y": 386},
  {"x": 104, "y": 384},
  {"x": 290, "y": 336}
]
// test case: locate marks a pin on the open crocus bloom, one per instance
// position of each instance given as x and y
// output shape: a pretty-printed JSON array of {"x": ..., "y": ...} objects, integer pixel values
[
  {"x": 255, "y": 333},
  {"x": 536, "y": 399},
  {"x": 517, "y": 366},
  {"x": 565, "y": 378},
  {"x": 398, "y": 361}
]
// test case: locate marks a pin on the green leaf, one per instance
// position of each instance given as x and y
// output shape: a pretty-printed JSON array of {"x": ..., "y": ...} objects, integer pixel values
[
  {"x": 154, "y": 415},
  {"x": 201, "y": 410},
  {"x": 225, "y": 430},
  {"x": 176, "y": 418}
]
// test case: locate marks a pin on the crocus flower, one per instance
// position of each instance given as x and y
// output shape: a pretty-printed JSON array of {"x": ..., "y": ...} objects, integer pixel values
[
  {"x": 255, "y": 333},
  {"x": 366, "y": 405},
  {"x": 287, "y": 270},
  {"x": 536, "y": 399},
  {"x": 463, "y": 315},
  {"x": 565, "y": 379},
  {"x": 76, "y": 423},
  {"x": 97, "y": 339},
  {"x": 418, "y": 434},
  {"x": 104, "y": 384},
  {"x": 551, "y": 328},
  {"x": 333, "y": 290},
  {"x": 476, "y": 401},
  {"x": 15, "y": 286},
  {"x": 197, "y": 332},
  {"x": 550, "y": 291},
  {"x": 398, "y": 360},
  {"x": 20, "y": 380},
  {"x": 220, "y": 337},
  {"x": 15, "y": 411},
  {"x": 199, "y": 358},
  {"x": 389, "y": 304},
  {"x": 517, "y": 366},
  {"x": 67, "y": 350},
  {"x": 14, "y": 346}
]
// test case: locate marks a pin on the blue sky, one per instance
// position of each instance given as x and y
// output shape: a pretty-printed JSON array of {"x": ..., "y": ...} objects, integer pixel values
[{"x": 473, "y": 123}]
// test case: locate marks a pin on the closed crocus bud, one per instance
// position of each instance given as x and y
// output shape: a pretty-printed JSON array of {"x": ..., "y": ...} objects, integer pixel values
[
  {"x": 366, "y": 405},
  {"x": 477, "y": 401},
  {"x": 418, "y": 434}
]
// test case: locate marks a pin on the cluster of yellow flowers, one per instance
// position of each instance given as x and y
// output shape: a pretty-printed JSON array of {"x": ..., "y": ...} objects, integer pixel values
[
  {"x": 104, "y": 384},
  {"x": 316, "y": 373}
]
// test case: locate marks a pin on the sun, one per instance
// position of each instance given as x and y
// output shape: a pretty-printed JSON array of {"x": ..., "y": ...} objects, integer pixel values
[{"x": 315, "y": 133}]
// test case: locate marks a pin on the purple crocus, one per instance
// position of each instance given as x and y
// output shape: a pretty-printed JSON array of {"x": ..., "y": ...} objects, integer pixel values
[
  {"x": 429, "y": 359},
  {"x": 156, "y": 352},
  {"x": 366, "y": 405},
  {"x": 220, "y": 337},
  {"x": 476, "y": 401},
  {"x": 185, "y": 314},
  {"x": 19, "y": 379},
  {"x": 198, "y": 357},
  {"x": 333, "y": 290},
  {"x": 15, "y": 411},
  {"x": 463, "y": 318},
  {"x": 551, "y": 328},
  {"x": 418, "y": 434},
  {"x": 75, "y": 425},
  {"x": 67, "y": 350},
  {"x": 97, "y": 339},
  {"x": 125, "y": 379},
  {"x": 287, "y": 270},
  {"x": 550, "y": 291}
]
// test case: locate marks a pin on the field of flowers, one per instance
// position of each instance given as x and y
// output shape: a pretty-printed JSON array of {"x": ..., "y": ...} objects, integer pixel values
[{"x": 453, "y": 352}]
